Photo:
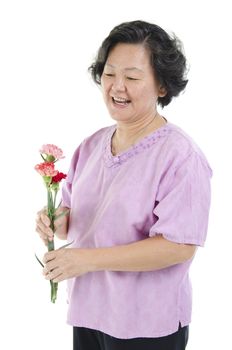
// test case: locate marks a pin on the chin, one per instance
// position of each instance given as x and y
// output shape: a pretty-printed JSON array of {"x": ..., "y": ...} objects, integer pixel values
[
  {"x": 118, "y": 118},
  {"x": 118, "y": 115}
]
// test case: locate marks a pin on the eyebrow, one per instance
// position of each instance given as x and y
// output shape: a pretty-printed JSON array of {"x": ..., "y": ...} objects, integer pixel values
[{"x": 127, "y": 68}]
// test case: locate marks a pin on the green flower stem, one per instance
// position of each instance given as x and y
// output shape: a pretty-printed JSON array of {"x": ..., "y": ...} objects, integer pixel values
[
  {"x": 54, "y": 286},
  {"x": 54, "y": 202},
  {"x": 51, "y": 245},
  {"x": 54, "y": 289},
  {"x": 51, "y": 207}
]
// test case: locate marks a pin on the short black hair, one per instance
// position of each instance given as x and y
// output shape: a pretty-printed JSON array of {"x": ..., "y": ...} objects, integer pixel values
[{"x": 166, "y": 54}]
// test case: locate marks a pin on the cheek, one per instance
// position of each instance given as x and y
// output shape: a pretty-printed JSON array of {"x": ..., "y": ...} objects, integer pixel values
[
  {"x": 103, "y": 89},
  {"x": 149, "y": 92},
  {"x": 144, "y": 94}
]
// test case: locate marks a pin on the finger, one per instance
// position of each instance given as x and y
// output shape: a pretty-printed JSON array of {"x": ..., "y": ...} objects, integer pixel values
[
  {"x": 55, "y": 276},
  {"x": 42, "y": 226},
  {"x": 49, "y": 256},
  {"x": 41, "y": 233},
  {"x": 50, "y": 271},
  {"x": 43, "y": 215},
  {"x": 50, "y": 266},
  {"x": 44, "y": 210},
  {"x": 47, "y": 231},
  {"x": 59, "y": 278},
  {"x": 45, "y": 219},
  {"x": 42, "y": 236}
]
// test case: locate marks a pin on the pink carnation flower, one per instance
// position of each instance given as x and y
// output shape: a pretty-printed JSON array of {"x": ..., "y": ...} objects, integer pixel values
[
  {"x": 46, "y": 169},
  {"x": 52, "y": 150}
]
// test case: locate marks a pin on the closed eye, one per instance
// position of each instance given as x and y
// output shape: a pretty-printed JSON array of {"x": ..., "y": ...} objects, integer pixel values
[
  {"x": 112, "y": 75},
  {"x": 130, "y": 78}
]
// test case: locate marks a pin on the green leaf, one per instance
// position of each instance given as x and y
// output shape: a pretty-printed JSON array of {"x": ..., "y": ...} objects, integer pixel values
[
  {"x": 66, "y": 245},
  {"x": 59, "y": 204},
  {"x": 39, "y": 261}
]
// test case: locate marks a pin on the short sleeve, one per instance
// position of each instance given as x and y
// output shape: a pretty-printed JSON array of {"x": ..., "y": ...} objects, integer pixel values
[
  {"x": 183, "y": 202},
  {"x": 67, "y": 185}
]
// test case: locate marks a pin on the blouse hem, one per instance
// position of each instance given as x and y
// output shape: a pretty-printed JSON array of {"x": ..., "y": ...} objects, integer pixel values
[{"x": 119, "y": 335}]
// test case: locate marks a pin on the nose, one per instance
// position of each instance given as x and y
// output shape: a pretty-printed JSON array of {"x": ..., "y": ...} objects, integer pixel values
[{"x": 118, "y": 84}]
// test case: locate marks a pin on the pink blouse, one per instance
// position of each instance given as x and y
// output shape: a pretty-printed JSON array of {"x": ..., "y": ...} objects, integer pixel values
[{"x": 160, "y": 185}]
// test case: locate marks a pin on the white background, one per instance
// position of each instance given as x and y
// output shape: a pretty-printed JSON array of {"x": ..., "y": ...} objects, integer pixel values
[{"x": 46, "y": 96}]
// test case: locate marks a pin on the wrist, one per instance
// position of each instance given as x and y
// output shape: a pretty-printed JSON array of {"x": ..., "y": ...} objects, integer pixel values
[{"x": 95, "y": 259}]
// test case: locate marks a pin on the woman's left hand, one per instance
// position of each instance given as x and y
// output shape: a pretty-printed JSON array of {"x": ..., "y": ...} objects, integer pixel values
[{"x": 62, "y": 264}]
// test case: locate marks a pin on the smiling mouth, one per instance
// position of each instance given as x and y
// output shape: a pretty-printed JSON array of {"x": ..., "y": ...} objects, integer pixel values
[{"x": 120, "y": 101}]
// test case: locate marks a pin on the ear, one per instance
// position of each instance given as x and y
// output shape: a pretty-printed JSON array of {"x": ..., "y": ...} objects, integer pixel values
[{"x": 162, "y": 91}]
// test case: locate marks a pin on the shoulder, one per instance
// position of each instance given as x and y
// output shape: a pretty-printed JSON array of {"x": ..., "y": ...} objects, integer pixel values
[
  {"x": 94, "y": 138},
  {"x": 92, "y": 142},
  {"x": 181, "y": 148},
  {"x": 179, "y": 140},
  {"x": 98, "y": 135}
]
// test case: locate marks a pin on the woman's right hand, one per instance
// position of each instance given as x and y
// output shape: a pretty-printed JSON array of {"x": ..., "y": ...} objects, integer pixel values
[
  {"x": 42, "y": 226},
  {"x": 61, "y": 224}
]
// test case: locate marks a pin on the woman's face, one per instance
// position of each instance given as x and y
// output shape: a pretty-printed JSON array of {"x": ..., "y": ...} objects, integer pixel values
[{"x": 129, "y": 87}]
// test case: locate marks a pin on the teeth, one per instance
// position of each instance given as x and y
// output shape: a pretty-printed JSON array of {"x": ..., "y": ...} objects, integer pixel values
[{"x": 119, "y": 99}]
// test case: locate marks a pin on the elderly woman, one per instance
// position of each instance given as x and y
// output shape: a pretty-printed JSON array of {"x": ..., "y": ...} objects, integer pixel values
[{"x": 139, "y": 196}]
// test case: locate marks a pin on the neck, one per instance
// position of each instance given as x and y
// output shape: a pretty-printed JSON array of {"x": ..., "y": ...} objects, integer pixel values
[{"x": 128, "y": 134}]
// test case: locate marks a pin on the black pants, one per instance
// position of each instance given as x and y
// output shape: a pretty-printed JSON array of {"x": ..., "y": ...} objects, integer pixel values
[{"x": 90, "y": 339}]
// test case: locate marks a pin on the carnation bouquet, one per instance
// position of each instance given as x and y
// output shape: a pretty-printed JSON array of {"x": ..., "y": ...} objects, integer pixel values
[{"x": 51, "y": 178}]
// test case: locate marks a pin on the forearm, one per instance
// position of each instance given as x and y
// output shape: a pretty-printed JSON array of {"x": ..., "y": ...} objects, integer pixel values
[{"x": 146, "y": 255}]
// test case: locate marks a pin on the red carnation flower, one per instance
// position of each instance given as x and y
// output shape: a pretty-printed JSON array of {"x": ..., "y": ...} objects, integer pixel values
[{"x": 58, "y": 177}]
